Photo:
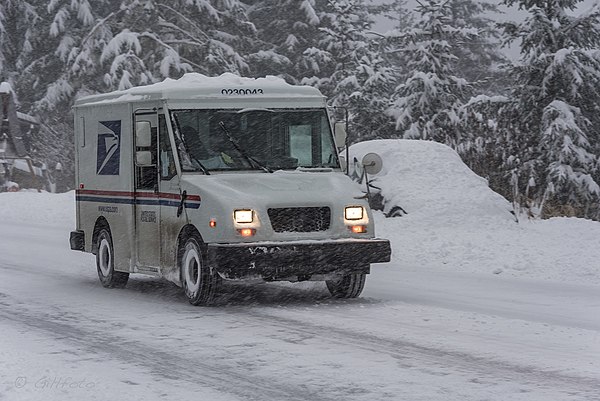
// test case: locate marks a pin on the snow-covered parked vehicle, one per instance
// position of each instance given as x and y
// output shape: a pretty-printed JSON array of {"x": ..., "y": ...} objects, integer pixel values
[{"x": 203, "y": 179}]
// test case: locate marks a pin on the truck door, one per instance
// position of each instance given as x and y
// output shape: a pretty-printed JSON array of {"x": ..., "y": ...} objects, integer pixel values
[
  {"x": 170, "y": 221},
  {"x": 147, "y": 199}
]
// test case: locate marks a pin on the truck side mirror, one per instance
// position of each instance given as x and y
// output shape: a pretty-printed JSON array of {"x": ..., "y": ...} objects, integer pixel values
[
  {"x": 143, "y": 158},
  {"x": 339, "y": 134},
  {"x": 143, "y": 134},
  {"x": 372, "y": 163}
]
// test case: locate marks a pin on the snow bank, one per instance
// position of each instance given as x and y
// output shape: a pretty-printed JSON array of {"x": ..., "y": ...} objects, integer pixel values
[
  {"x": 33, "y": 208},
  {"x": 430, "y": 182},
  {"x": 455, "y": 222}
]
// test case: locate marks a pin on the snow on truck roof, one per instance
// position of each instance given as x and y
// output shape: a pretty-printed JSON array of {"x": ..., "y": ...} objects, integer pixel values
[{"x": 197, "y": 86}]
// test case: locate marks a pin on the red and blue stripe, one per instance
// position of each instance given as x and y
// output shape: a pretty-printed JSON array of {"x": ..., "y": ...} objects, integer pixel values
[{"x": 137, "y": 198}]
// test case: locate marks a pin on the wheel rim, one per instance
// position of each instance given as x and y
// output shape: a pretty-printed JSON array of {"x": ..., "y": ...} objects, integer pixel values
[
  {"x": 191, "y": 268},
  {"x": 104, "y": 257}
]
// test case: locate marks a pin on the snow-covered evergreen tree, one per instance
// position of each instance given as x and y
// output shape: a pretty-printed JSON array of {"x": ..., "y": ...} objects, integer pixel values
[
  {"x": 381, "y": 80},
  {"x": 349, "y": 67},
  {"x": 552, "y": 124},
  {"x": 27, "y": 60},
  {"x": 427, "y": 104},
  {"x": 136, "y": 42},
  {"x": 286, "y": 29},
  {"x": 77, "y": 31},
  {"x": 478, "y": 58},
  {"x": 20, "y": 25},
  {"x": 342, "y": 44},
  {"x": 483, "y": 148}
]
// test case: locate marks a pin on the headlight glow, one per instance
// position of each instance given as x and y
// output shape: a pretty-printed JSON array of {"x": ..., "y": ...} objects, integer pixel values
[
  {"x": 354, "y": 212},
  {"x": 243, "y": 216}
]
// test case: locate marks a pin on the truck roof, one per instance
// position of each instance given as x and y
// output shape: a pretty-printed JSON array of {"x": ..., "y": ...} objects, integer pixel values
[{"x": 194, "y": 86}]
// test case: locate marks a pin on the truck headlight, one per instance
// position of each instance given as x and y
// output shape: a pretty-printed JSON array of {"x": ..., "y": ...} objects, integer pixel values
[
  {"x": 354, "y": 212},
  {"x": 243, "y": 216}
]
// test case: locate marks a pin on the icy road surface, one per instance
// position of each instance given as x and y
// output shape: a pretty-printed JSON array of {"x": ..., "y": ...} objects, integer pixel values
[{"x": 418, "y": 333}]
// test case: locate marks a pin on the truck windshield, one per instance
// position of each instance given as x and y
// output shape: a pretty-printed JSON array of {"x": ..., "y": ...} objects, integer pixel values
[{"x": 253, "y": 139}]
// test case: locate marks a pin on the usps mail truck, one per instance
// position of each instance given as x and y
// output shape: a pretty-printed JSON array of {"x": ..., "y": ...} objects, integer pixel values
[{"x": 205, "y": 179}]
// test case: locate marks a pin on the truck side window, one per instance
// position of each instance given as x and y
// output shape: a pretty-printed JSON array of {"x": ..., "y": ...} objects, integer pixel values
[
  {"x": 167, "y": 161},
  {"x": 147, "y": 176}
]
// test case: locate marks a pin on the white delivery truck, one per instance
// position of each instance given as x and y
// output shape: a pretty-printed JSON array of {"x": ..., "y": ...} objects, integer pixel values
[{"x": 204, "y": 179}]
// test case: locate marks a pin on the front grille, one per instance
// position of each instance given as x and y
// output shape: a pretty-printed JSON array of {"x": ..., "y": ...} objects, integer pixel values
[{"x": 300, "y": 219}]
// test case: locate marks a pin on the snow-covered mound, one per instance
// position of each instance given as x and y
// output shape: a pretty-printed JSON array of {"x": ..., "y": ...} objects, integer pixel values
[
  {"x": 430, "y": 181},
  {"x": 456, "y": 222},
  {"x": 39, "y": 209}
]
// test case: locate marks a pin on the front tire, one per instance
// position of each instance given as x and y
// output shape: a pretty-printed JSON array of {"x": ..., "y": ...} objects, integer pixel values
[
  {"x": 199, "y": 283},
  {"x": 105, "y": 262},
  {"x": 347, "y": 286}
]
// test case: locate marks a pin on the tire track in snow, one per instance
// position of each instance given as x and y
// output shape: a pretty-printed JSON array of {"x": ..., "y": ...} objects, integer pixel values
[
  {"x": 37, "y": 271},
  {"x": 415, "y": 356},
  {"x": 411, "y": 355},
  {"x": 214, "y": 374}
]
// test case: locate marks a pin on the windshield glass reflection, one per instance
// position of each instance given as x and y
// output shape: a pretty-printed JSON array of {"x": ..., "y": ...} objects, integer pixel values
[{"x": 254, "y": 139}]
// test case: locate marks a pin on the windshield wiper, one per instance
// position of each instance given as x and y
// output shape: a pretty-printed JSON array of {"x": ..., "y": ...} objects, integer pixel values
[
  {"x": 179, "y": 142},
  {"x": 251, "y": 160},
  {"x": 204, "y": 169}
]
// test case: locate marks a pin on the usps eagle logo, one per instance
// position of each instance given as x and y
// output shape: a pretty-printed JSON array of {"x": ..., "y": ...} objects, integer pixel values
[{"x": 109, "y": 147}]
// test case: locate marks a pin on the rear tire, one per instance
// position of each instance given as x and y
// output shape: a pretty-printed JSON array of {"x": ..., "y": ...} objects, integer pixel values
[
  {"x": 105, "y": 262},
  {"x": 200, "y": 284},
  {"x": 347, "y": 286}
]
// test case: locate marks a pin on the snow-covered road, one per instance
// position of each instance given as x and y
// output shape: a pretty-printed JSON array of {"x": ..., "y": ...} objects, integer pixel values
[
  {"x": 418, "y": 334},
  {"x": 472, "y": 307}
]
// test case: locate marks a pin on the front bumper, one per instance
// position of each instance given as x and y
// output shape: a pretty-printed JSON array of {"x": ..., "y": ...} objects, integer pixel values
[{"x": 281, "y": 260}]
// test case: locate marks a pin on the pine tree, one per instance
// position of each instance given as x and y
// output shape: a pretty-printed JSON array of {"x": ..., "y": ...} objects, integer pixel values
[
  {"x": 136, "y": 42},
  {"x": 349, "y": 67},
  {"x": 20, "y": 25},
  {"x": 77, "y": 32},
  {"x": 484, "y": 149},
  {"x": 478, "y": 58},
  {"x": 26, "y": 59},
  {"x": 342, "y": 44},
  {"x": 428, "y": 102},
  {"x": 554, "y": 113},
  {"x": 286, "y": 29}
]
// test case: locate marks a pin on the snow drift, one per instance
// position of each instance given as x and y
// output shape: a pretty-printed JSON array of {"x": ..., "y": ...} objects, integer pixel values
[
  {"x": 454, "y": 221},
  {"x": 429, "y": 181}
]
